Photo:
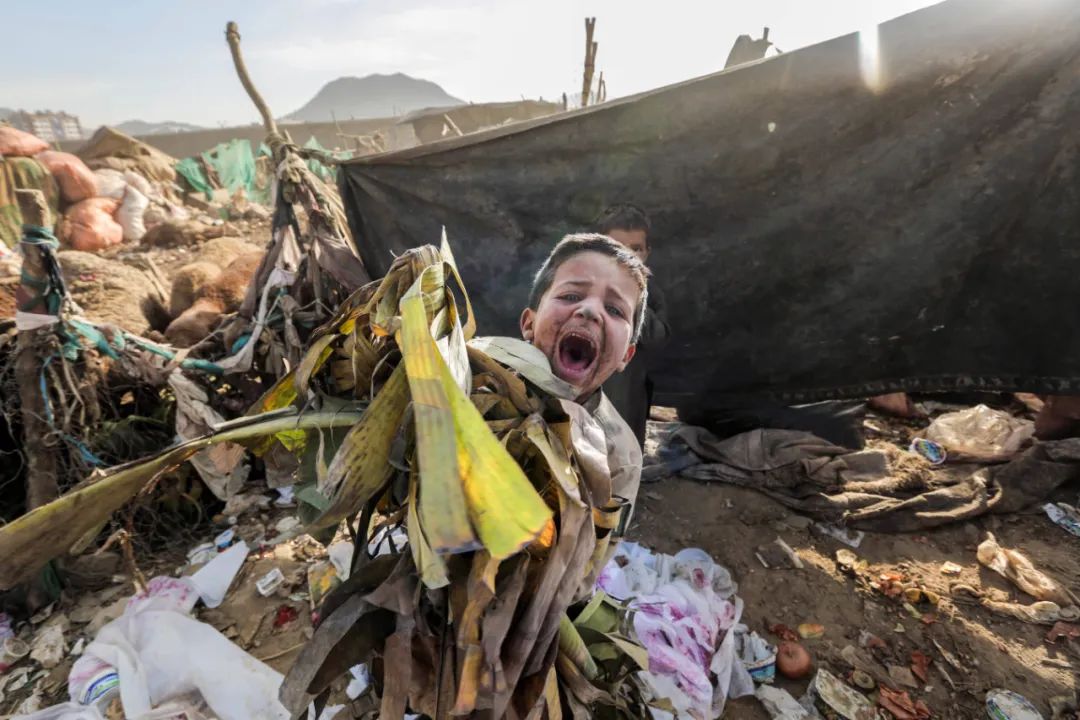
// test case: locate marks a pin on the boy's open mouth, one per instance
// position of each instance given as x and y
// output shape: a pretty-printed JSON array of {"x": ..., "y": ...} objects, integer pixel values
[{"x": 577, "y": 355}]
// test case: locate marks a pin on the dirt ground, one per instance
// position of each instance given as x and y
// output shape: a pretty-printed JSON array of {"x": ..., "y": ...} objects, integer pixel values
[{"x": 992, "y": 652}]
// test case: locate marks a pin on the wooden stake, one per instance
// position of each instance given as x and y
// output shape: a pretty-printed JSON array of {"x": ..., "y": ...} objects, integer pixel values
[
  {"x": 590, "y": 60},
  {"x": 39, "y": 441}
]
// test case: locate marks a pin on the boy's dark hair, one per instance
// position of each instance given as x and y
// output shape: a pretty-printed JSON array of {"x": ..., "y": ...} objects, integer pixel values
[
  {"x": 576, "y": 244},
  {"x": 623, "y": 216}
]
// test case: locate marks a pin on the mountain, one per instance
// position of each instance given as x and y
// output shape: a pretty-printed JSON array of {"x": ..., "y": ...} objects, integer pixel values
[
  {"x": 372, "y": 96},
  {"x": 141, "y": 127}
]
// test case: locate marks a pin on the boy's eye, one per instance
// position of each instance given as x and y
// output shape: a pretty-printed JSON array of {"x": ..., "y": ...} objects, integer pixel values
[
  {"x": 570, "y": 297},
  {"x": 615, "y": 311}
]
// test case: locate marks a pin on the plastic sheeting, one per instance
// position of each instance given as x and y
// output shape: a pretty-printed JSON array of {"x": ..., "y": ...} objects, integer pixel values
[{"x": 895, "y": 211}]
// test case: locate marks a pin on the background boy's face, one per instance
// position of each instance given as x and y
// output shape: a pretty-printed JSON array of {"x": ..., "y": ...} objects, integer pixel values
[
  {"x": 636, "y": 241},
  {"x": 584, "y": 322}
]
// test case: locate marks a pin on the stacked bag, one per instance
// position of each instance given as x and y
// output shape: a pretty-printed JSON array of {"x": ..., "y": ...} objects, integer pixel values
[{"x": 102, "y": 207}]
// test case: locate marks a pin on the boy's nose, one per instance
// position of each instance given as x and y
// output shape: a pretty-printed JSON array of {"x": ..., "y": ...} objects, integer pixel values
[{"x": 588, "y": 309}]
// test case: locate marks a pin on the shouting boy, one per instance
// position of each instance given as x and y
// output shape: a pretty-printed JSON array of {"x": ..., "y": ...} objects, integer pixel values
[{"x": 584, "y": 315}]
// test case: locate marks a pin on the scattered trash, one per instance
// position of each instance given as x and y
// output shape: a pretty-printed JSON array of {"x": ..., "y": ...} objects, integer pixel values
[
  {"x": 890, "y": 584},
  {"x": 1041, "y": 612},
  {"x": 285, "y": 496},
  {"x": 850, "y": 563},
  {"x": 950, "y": 568},
  {"x": 322, "y": 577},
  {"x": 341, "y": 554},
  {"x": 287, "y": 524},
  {"x": 793, "y": 661},
  {"x": 1063, "y": 630},
  {"x": 224, "y": 540},
  {"x": 920, "y": 665},
  {"x": 810, "y": 631},
  {"x": 784, "y": 632},
  {"x": 1008, "y": 705},
  {"x": 863, "y": 680},
  {"x": 270, "y": 582},
  {"x": 792, "y": 557},
  {"x": 780, "y": 704},
  {"x": 980, "y": 430},
  {"x": 201, "y": 553},
  {"x": 870, "y": 641},
  {"x": 212, "y": 581},
  {"x": 931, "y": 451},
  {"x": 831, "y": 695},
  {"x": 12, "y": 651},
  {"x": 1016, "y": 568},
  {"x": 902, "y": 676},
  {"x": 757, "y": 654},
  {"x": 48, "y": 647},
  {"x": 361, "y": 679},
  {"x": 852, "y": 538},
  {"x": 901, "y": 705},
  {"x": 243, "y": 502},
  {"x": 1065, "y": 516},
  {"x": 921, "y": 595},
  {"x": 284, "y": 615}
]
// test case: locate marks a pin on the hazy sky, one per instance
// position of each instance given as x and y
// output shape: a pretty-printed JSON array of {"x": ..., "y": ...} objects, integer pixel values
[{"x": 110, "y": 61}]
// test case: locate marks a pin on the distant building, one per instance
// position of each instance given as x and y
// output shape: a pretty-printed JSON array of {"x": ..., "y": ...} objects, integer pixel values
[{"x": 47, "y": 125}]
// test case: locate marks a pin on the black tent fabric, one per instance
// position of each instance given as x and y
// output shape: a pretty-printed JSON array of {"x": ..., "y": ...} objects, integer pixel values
[{"x": 889, "y": 210}]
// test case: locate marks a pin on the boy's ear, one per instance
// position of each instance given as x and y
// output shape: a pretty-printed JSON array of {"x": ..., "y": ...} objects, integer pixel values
[
  {"x": 630, "y": 352},
  {"x": 528, "y": 321}
]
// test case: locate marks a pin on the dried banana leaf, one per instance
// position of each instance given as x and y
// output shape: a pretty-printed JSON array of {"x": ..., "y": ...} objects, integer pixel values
[{"x": 44, "y": 533}]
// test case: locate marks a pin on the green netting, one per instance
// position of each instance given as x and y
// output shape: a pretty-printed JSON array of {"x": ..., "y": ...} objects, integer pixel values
[
  {"x": 232, "y": 166},
  {"x": 191, "y": 171},
  {"x": 315, "y": 166}
]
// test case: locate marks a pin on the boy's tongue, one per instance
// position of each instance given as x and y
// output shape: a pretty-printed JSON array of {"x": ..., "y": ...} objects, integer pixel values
[{"x": 575, "y": 357}]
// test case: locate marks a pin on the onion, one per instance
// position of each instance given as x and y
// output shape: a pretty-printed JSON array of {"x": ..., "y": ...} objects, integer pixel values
[{"x": 793, "y": 660}]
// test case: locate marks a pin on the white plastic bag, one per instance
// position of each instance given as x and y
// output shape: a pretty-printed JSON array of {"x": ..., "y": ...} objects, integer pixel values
[
  {"x": 980, "y": 431},
  {"x": 130, "y": 214},
  {"x": 138, "y": 182},
  {"x": 111, "y": 183}
]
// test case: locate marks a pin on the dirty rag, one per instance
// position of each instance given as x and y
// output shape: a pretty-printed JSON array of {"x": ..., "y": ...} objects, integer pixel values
[{"x": 859, "y": 489}]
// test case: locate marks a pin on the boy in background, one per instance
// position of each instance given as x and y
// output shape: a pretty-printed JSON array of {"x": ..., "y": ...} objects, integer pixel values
[{"x": 631, "y": 391}]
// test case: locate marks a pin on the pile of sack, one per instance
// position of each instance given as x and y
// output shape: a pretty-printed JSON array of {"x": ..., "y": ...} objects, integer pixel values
[{"x": 120, "y": 190}]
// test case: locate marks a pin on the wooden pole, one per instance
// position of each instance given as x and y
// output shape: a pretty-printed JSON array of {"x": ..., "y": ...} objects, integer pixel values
[
  {"x": 232, "y": 35},
  {"x": 39, "y": 441},
  {"x": 590, "y": 60}
]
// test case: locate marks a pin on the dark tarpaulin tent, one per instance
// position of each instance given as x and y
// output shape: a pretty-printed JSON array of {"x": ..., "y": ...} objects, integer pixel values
[{"x": 831, "y": 222}]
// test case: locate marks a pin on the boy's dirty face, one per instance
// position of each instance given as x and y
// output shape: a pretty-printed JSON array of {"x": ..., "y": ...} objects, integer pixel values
[
  {"x": 636, "y": 241},
  {"x": 584, "y": 322}
]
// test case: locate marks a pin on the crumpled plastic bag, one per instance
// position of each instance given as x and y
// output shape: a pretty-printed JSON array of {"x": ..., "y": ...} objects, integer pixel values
[
  {"x": 980, "y": 430},
  {"x": 685, "y": 614},
  {"x": 1015, "y": 567}
]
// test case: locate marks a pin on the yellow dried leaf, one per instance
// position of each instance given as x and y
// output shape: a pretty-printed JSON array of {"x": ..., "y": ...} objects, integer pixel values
[{"x": 361, "y": 466}]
